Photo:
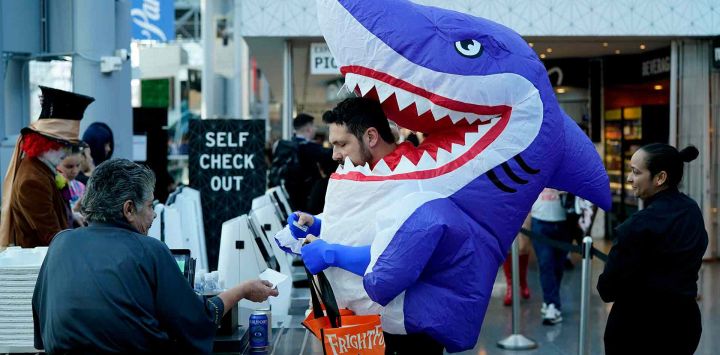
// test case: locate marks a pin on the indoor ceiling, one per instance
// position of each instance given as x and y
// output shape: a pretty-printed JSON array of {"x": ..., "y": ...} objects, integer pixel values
[
  {"x": 590, "y": 47},
  {"x": 268, "y": 51}
]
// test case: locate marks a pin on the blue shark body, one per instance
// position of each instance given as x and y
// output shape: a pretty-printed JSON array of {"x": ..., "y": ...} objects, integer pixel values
[{"x": 440, "y": 218}]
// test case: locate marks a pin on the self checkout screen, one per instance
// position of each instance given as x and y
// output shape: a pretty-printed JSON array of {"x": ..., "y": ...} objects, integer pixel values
[{"x": 180, "y": 260}]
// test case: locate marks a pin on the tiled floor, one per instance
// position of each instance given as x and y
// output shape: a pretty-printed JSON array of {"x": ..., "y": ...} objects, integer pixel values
[{"x": 561, "y": 338}]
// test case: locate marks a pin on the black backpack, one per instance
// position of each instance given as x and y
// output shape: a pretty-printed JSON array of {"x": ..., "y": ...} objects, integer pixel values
[{"x": 285, "y": 164}]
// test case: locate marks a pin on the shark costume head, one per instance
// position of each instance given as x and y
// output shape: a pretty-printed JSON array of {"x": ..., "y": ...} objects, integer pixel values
[{"x": 441, "y": 217}]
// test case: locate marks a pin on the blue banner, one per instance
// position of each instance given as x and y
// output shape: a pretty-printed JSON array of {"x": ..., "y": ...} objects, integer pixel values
[{"x": 153, "y": 20}]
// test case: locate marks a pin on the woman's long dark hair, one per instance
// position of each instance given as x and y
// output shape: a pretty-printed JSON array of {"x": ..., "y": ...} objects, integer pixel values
[
  {"x": 96, "y": 135},
  {"x": 663, "y": 157}
]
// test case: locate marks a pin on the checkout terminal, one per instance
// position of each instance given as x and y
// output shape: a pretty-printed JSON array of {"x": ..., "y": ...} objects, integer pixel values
[{"x": 185, "y": 263}]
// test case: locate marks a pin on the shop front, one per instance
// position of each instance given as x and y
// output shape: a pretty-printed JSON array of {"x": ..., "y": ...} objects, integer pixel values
[{"x": 636, "y": 112}]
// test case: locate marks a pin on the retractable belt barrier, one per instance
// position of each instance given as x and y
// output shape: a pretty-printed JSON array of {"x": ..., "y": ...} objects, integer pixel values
[
  {"x": 517, "y": 341},
  {"x": 578, "y": 249}
]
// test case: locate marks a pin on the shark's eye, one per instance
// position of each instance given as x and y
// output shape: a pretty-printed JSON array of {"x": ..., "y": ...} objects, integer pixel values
[{"x": 469, "y": 48}]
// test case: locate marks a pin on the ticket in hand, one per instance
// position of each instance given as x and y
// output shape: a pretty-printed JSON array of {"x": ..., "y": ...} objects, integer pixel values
[
  {"x": 302, "y": 227},
  {"x": 272, "y": 276}
]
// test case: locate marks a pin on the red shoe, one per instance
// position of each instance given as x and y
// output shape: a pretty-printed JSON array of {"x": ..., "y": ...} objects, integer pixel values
[
  {"x": 507, "y": 268},
  {"x": 525, "y": 292},
  {"x": 508, "y": 296},
  {"x": 524, "y": 289}
]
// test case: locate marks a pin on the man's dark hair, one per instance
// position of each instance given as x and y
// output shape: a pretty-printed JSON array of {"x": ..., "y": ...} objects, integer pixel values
[
  {"x": 358, "y": 114},
  {"x": 301, "y": 120}
]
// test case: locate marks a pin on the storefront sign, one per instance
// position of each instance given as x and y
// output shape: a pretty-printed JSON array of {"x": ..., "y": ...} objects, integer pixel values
[
  {"x": 656, "y": 66},
  {"x": 637, "y": 68},
  {"x": 153, "y": 20},
  {"x": 227, "y": 165},
  {"x": 321, "y": 60}
]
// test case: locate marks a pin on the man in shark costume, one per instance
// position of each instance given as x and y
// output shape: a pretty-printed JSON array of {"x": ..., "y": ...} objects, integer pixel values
[{"x": 424, "y": 237}]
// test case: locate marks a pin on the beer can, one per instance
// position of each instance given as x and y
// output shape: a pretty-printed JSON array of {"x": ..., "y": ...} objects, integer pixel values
[{"x": 259, "y": 330}]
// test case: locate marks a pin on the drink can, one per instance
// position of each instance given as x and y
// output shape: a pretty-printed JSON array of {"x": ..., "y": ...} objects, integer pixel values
[{"x": 259, "y": 329}]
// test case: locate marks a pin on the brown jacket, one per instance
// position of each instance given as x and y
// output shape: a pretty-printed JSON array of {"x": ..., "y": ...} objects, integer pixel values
[{"x": 37, "y": 209}]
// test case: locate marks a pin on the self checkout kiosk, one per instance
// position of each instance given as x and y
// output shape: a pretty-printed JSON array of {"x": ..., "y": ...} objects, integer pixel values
[
  {"x": 267, "y": 210},
  {"x": 279, "y": 197},
  {"x": 245, "y": 252},
  {"x": 179, "y": 224},
  {"x": 247, "y": 245}
]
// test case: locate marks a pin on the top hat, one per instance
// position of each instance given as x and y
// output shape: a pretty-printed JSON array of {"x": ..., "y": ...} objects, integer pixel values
[{"x": 60, "y": 116}]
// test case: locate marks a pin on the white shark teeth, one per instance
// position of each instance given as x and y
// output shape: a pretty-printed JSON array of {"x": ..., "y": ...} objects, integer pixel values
[
  {"x": 384, "y": 91},
  {"x": 471, "y": 117},
  {"x": 426, "y": 162},
  {"x": 404, "y": 99},
  {"x": 351, "y": 81},
  {"x": 381, "y": 168},
  {"x": 422, "y": 105},
  {"x": 456, "y": 116},
  {"x": 458, "y": 150},
  {"x": 343, "y": 88},
  {"x": 405, "y": 166},
  {"x": 472, "y": 137},
  {"x": 348, "y": 164},
  {"x": 365, "y": 169},
  {"x": 365, "y": 86},
  {"x": 439, "y": 112},
  {"x": 443, "y": 156}
]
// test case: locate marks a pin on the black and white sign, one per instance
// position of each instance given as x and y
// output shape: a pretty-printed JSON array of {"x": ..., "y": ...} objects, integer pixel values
[
  {"x": 716, "y": 52},
  {"x": 227, "y": 165},
  {"x": 321, "y": 60}
]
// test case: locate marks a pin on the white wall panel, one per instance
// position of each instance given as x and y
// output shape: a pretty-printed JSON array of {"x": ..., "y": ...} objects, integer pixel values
[{"x": 297, "y": 18}]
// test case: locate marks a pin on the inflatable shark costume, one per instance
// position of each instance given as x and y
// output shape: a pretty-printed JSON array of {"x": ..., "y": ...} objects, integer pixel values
[{"x": 424, "y": 231}]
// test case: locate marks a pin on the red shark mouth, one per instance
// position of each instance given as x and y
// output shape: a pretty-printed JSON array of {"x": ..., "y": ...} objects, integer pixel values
[{"x": 458, "y": 131}]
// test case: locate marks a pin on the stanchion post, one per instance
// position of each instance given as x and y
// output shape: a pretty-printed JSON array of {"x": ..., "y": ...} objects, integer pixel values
[
  {"x": 583, "y": 346},
  {"x": 516, "y": 341}
]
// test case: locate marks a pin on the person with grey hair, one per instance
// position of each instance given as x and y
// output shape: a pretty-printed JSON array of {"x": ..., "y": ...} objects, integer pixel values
[{"x": 108, "y": 288}]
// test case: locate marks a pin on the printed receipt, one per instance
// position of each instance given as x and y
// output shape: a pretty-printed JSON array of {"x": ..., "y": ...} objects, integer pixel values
[{"x": 272, "y": 276}]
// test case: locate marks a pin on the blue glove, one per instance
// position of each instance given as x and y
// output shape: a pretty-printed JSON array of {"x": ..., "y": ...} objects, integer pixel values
[
  {"x": 320, "y": 255},
  {"x": 299, "y": 231}
]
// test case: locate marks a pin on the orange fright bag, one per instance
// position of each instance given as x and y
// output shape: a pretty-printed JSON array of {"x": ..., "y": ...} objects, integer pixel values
[{"x": 340, "y": 330}]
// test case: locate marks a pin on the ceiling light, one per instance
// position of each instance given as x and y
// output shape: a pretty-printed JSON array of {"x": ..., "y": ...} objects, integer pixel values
[
  {"x": 531, "y": 44},
  {"x": 560, "y": 90},
  {"x": 605, "y": 44},
  {"x": 642, "y": 46},
  {"x": 549, "y": 50},
  {"x": 617, "y": 51},
  {"x": 542, "y": 55},
  {"x": 658, "y": 87}
]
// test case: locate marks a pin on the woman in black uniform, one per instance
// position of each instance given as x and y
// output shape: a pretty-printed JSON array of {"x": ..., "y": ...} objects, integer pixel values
[{"x": 652, "y": 270}]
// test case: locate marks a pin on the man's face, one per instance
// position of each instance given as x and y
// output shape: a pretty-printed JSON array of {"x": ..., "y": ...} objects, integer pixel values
[
  {"x": 142, "y": 219},
  {"x": 311, "y": 131},
  {"x": 345, "y": 144}
]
